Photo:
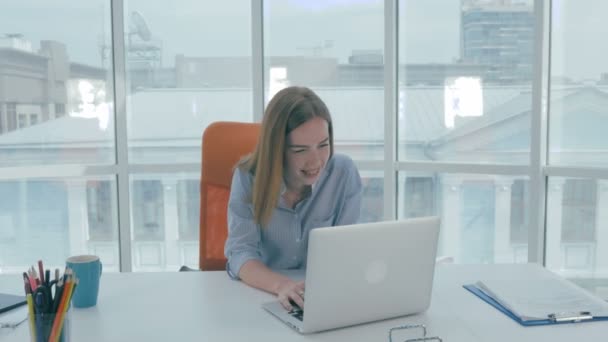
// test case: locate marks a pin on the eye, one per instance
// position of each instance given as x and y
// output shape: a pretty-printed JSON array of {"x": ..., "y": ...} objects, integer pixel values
[{"x": 323, "y": 145}]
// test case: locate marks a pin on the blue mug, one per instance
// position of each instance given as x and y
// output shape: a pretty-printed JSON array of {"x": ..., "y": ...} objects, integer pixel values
[{"x": 87, "y": 269}]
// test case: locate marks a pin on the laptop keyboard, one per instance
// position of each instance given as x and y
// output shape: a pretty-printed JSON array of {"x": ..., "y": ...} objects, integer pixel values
[{"x": 296, "y": 311}]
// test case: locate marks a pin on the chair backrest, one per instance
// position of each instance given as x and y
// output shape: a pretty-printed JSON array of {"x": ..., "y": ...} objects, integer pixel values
[{"x": 224, "y": 144}]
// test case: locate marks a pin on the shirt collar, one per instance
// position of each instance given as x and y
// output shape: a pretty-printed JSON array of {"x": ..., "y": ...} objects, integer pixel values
[{"x": 284, "y": 187}]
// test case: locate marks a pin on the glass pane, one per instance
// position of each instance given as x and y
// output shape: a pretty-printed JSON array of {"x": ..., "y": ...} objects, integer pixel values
[
  {"x": 164, "y": 221},
  {"x": 577, "y": 231},
  {"x": 484, "y": 217},
  {"x": 579, "y": 86},
  {"x": 188, "y": 64},
  {"x": 165, "y": 218},
  {"x": 51, "y": 219},
  {"x": 336, "y": 49},
  {"x": 467, "y": 95},
  {"x": 372, "y": 200},
  {"x": 56, "y": 86}
]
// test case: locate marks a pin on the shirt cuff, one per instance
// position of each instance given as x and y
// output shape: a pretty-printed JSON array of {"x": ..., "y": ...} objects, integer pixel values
[{"x": 237, "y": 260}]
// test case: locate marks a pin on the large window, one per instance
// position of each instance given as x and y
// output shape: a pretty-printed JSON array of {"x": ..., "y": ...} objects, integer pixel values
[
  {"x": 337, "y": 49},
  {"x": 465, "y": 97},
  {"x": 476, "y": 212},
  {"x": 577, "y": 228},
  {"x": 579, "y": 87},
  {"x": 188, "y": 64},
  {"x": 464, "y": 101},
  {"x": 53, "y": 218},
  {"x": 56, "y": 121},
  {"x": 100, "y": 144},
  {"x": 49, "y": 57}
]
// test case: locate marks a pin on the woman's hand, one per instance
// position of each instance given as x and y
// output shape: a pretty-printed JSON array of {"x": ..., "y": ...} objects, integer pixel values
[
  {"x": 291, "y": 290},
  {"x": 258, "y": 275}
]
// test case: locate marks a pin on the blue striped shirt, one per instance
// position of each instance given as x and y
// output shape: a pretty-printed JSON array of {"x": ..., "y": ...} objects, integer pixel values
[{"x": 334, "y": 200}]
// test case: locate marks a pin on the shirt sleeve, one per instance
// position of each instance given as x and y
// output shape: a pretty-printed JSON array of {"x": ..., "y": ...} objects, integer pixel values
[
  {"x": 243, "y": 243},
  {"x": 351, "y": 208}
]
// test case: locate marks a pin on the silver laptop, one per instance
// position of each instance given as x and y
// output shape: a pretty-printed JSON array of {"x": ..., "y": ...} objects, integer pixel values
[{"x": 365, "y": 272}]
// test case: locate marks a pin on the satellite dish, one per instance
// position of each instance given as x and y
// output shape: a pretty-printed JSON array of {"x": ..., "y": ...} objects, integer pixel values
[{"x": 141, "y": 28}]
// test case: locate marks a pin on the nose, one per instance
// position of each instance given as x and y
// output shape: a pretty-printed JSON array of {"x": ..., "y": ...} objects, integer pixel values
[{"x": 315, "y": 158}]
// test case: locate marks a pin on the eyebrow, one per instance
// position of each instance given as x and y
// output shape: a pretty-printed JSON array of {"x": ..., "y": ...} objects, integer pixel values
[{"x": 306, "y": 146}]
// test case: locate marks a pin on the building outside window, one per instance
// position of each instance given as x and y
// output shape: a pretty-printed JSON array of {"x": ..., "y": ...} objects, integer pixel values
[
  {"x": 22, "y": 121},
  {"x": 101, "y": 211},
  {"x": 148, "y": 211},
  {"x": 59, "y": 110},
  {"x": 11, "y": 116},
  {"x": 419, "y": 197},
  {"x": 579, "y": 210},
  {"x": 519, "y": 211},
  {"x": 188, "y": 208}
]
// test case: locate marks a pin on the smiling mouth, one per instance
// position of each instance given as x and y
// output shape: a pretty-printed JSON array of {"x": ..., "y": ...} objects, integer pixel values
[{"x": 311, "y": 173}]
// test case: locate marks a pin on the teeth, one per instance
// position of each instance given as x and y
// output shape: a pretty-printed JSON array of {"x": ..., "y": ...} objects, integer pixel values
[{"x": 310, "y": 173}]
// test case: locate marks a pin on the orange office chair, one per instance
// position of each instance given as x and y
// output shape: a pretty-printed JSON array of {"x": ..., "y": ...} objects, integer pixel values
[{"x": 224, "y": 144}]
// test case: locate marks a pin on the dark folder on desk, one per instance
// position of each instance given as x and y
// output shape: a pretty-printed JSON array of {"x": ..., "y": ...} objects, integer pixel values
[
  {"x": 9, "y": 302},
  {"x": 540, "y": 298}
]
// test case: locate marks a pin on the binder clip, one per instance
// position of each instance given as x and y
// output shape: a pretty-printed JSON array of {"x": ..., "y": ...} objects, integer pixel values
[
  {"x": 413, "y": 326},
  {"x": 570, "y": 317}
]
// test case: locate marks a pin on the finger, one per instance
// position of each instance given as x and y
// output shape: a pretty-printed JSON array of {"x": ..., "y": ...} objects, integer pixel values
[
  {"x": 300, "y": 289},
  {"x": 297, "y": 298},
  {"x": 300, "y": 292},
  {"x": 285, "y": 302}
]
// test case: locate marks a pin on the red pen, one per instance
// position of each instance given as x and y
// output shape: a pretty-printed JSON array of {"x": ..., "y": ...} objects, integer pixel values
[{"x": 33, "y": 278}]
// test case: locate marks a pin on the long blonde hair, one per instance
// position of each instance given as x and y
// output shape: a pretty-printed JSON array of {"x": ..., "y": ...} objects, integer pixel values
[{"x": 288, "y": 109}]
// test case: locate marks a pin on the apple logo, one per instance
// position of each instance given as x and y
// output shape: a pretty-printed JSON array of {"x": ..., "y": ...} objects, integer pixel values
[{"x": 376, "y": 271}]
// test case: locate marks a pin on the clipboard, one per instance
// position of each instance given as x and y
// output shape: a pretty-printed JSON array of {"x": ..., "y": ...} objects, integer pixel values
[{"x": 554, "y": 318}]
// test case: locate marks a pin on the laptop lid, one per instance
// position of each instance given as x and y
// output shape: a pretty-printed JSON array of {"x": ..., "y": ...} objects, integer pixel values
[
  {"x": 367, "y": 272},
  {"x": 9, "y": 302}
]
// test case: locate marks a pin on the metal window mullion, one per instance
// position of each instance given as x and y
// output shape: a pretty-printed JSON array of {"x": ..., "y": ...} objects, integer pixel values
[
  {"x": 120, "y": 114},
  {"x": 56, "y": 171},
  {"x": 458, "y": 167},
  {"x": 391, "y": 62},
  {"x": 576, "y": 172},
  {"x": 257, "y": 58},
  {"x": 165, "y": 168},
  {"x": 538, "y": 131}
]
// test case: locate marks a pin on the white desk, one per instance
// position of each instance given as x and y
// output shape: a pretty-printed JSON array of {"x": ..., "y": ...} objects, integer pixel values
[{"x": 208, "y": 306}]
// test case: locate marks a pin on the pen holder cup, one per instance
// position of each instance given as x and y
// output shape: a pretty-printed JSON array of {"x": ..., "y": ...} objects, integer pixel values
[{"x": 51, "y": 327}]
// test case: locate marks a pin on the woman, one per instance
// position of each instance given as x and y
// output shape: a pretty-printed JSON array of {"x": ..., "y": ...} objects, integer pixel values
[{"x": 289, "y": 185}]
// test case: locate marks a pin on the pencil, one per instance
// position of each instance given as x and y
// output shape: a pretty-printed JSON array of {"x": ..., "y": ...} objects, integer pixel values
[
  {"x": 61, "y": 312},
  {"x": 30, "y": 311}
]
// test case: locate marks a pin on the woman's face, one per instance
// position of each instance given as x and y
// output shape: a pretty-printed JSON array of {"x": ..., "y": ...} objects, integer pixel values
[{"x": 306, "y": 153}]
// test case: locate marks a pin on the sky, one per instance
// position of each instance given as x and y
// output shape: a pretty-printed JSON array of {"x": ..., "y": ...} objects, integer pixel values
[{"x": 429, "y": 29}]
